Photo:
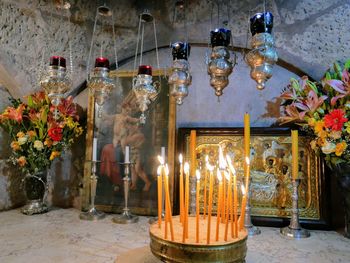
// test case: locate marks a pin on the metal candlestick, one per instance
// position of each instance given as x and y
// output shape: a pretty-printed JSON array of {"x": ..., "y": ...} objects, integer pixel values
[
  {"x": 251, "y": 229},
  {"x": 92, "y": 214},
  {"x": 193, "y": 182},
  {"x": 294, "y": 229},
  {"x": 126, "y": 217}
]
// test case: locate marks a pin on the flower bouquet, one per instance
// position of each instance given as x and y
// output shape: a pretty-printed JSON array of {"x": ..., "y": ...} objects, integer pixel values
[
  {"x": 38, "y": 136},
  {"x": 323, "y": 111}
]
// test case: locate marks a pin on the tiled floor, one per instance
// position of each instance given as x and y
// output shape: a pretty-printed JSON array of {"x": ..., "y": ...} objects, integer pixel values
[{"x": 60, "y": 236}]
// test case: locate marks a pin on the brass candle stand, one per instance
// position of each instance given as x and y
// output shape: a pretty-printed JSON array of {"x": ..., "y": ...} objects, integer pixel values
[
  {"x": 126, "y": 217},
  {"x": 294, "y": 230},
  {"x": 92, "y": 214},
  {"x": 251, "y": 229}
]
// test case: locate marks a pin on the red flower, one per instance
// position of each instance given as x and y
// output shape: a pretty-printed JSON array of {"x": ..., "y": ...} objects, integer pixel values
[
  {"x": 55, "y": 133},
  {"x": 335, "y": 120}
]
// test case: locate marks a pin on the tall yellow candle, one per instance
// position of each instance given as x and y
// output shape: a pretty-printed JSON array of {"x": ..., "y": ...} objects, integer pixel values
[
  {"x": 210, "y": 202},
  {"x": 187, "y": 190},
  {"x": 160, "y": 190},
  {"x": 205, "y": 187},
  {"x": 223, "y": 208},
  {"x": 229, "y": 202},
  {"x": 243, "y": 205},
  {"x": 246, "y": 135},
  {"x": 295, "y": 157},
  {"x": 234, "y": 224},
  {"x": 220, "y": 203},
  {"x": 193, "y": 152},
  {"x": 198, "y": 175},
  {"x": 244, "y": 199},
  {"x": 168, "y": 212},
  {"x": 181, "y": 190}
]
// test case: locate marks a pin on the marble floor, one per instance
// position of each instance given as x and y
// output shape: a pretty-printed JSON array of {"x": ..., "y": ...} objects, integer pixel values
[{"x": 60, "y": 236}]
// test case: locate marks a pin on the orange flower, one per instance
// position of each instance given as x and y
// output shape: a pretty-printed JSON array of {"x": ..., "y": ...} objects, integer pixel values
[
  {"x": 319, "y": 126},
  {"x": 31, "y": 134},
  {"x": 14, "y": 114},
  {"x": 54, "y": 154},
  {"x": 15, "y": 146},
  {"x": 22, "y": 161},
  {"x": 20, "y": 134},
  {"x": 340, "y": 148},
  {"x": 48, "y": 142}
]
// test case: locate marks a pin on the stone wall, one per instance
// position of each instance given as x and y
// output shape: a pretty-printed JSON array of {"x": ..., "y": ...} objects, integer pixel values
[{"x": 310, "y": 34}]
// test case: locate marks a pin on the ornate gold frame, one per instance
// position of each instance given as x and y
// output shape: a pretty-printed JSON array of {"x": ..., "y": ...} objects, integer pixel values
[
  {"x": 85, "y": 195},
  {"x": 269, "y": 179}
]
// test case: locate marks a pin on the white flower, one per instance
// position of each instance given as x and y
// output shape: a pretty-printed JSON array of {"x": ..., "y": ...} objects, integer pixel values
[
  {"x": 38, "y": 145},
  {"x": 22, "y": 140},
  {"x": 328, "y": 148}
]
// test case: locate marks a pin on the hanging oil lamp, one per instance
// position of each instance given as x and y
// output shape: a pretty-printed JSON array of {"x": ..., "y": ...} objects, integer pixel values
[
  {"x": 220, "y": 65},
  {"x": 56, "y": 82},
  {"x": 263, "y": 55},
  {"x": 145, "y": 89},
  {"x": 100, "y": 84},
  {"x": 180, "y": 77}
]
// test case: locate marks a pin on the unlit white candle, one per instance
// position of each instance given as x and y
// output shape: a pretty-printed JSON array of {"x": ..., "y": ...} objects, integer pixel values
[
  {"x": 94, "y": 150},
  {"x": 162, "y": 150},
  {"x": 127, "y": 159}
]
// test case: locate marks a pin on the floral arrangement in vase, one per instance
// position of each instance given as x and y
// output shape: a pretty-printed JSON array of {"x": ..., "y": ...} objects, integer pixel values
[
  {"x": 322, "y": 109},
  {"x": 37, "y": 135}
]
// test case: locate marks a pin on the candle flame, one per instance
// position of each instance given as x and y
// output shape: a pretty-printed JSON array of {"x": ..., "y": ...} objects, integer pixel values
[
  {"x": 180, "y": 158},
  {"x": 222, "y": 162},
  {"x": 247, "y": 160},
  {"x": 166, "y": 169},
  {"x": 210, "y": 167},
  {"x": 206, "y": 158},
  {"x": 243, "y": 189},
  {"x": 186, "y": 168},
  {"x": 159, "y": 170},
  {"x": 198, "y": 174},
  {"x": 227, "y": 175},
  {"x": 161, "y": 160},
  {"x": 230, "y": 165},
  {"x": 219, "y": 175}
]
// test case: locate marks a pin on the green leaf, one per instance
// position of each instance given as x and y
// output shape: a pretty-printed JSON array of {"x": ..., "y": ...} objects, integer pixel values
[
  {"x": 328, "y": 76},
  {"x": 30, "y": 101},
  {"x": 312, "y": 86},
  {"x": 295, "y": 84},
  {"x": 347, "y": 64}
]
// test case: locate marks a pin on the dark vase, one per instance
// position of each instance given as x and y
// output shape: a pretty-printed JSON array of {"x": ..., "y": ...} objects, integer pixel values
[
  {"x": 342, "y": 173},
  {"x": 35, "y": 190}
]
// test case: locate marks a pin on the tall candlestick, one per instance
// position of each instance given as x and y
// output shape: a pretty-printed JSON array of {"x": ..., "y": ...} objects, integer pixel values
[
  {"x": 198, "y": 175},
  {"x": 211, "y": 178},
  {"x": 94, "y": 150},
  {"x": 168, "y": 213},
  {"x": 160, "y": 190},
  {"x": 187, "y": 190},
  {"x": 295, "y": 157},
  {"x": 220, "y": 203},
  {"x": 127, "y": 158},
  {"x": 181, "y": 190}
]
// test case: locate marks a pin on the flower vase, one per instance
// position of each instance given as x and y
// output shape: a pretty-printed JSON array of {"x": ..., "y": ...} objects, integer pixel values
[
  {"x": 342, "y": 173},
  {"x": 35, "y": 189}
]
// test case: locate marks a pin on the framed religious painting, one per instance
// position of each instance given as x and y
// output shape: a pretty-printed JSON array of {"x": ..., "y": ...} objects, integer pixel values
[
  {"x": 271, "y": 188},
  {"x": 116, "y": 125}
]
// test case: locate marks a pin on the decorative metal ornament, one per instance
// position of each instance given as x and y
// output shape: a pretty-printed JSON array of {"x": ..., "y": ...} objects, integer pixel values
[
  {"x": 220, "y": 65},
  {"x": 263, "y": 55},
  {"x": 99, "y": 84},
  {"x": 56, "y": 82},
  {"x": 180, "y": 77},
  {"x": 145, "y": 90}
]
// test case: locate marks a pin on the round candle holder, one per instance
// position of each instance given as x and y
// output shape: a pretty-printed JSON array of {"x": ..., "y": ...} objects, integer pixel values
[{"x": 232, "y": 250}]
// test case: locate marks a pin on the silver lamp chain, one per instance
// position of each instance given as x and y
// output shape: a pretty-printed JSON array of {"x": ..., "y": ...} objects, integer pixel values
[
  {"x": 91, "y": 46},
  {"x": 114, "y": 44},
  {"x": 137, "y": 44}
]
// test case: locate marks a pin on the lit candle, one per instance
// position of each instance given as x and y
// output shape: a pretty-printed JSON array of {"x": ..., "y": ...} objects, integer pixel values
[
  {"x": 181, "y": 190},
  {"x": 223, "y": 166},
  {"x": 160, "y": 189},
  {"x": 168, "y": 212},
  {"x": 198, "y": 175},
  {"x": 229, "y": 202},
  {"x": 220, "y": 203},
  {"x": 243, "y": 205},
  {"x": 127, "y": 158},
  {"x": 211, "y": 178},
  {"x": 187, "y": 190},
  {"x": 205, "y": 187},
  {"x": 234, "y": 223},
  {"x": 94, "y": 150},
  {"x": 246, "y": 135},
  {"x": 193, "y": 152},
  {"x": 295, "y": 157},
  {"x": 244, "y": 200}
]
